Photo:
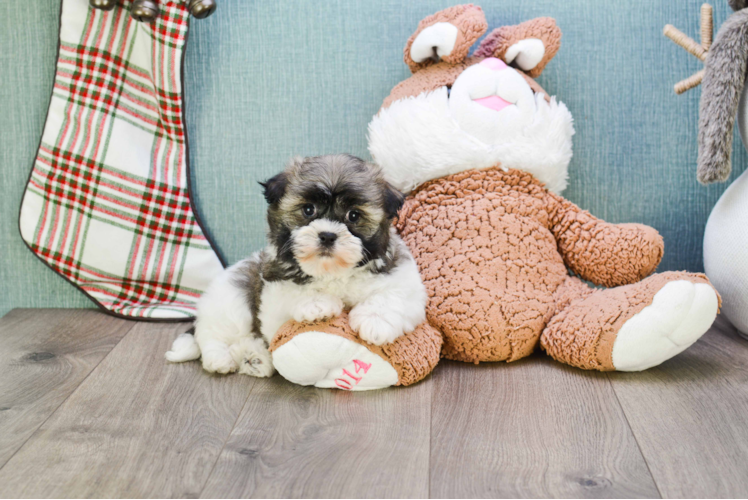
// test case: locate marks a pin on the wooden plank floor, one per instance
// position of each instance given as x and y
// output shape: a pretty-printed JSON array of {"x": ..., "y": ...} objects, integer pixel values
[{"x": 88, "y": 408}]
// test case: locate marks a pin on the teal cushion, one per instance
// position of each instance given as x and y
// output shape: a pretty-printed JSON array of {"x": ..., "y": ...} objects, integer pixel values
[{"x": 267, "y": 80}]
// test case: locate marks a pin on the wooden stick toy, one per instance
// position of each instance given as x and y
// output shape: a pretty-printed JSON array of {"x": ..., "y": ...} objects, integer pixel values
[{"x": 699, "y": 50}]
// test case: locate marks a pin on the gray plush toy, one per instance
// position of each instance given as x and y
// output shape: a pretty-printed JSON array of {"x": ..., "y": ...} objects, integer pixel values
[
  {"x": 723, "y": 86},
  {"x": 723, "y": 97}
]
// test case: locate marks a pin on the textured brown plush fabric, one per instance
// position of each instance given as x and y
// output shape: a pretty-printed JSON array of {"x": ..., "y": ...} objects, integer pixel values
[
  {"x": 413, "y": 356},
  {"x": 495, "y": 248},
  {"x": 489, "y": 262},
  {"x": 543, "y": 28},
  {"x": 492, "y": 247},
  {"x": 439, "y": 75},
  {"x": 603, "y": 253},
  {"x": 470, "y": 23},
  {"x": 584, "y": 331}
]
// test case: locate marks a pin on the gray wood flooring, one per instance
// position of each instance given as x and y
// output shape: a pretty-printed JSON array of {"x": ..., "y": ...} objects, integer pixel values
[{"x": 89, "y": 408}]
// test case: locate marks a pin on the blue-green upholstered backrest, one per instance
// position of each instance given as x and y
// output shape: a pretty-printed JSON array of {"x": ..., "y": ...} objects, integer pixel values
[{"x": 269, "y": 79}]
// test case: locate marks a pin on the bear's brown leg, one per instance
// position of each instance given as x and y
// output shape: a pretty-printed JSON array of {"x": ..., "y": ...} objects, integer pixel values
[
  {"x": 570, "y": 290},
  {"x": 632, "y": 327},
  {"x": 328, "y": 353},
  {"x": 490, "y": 275}
]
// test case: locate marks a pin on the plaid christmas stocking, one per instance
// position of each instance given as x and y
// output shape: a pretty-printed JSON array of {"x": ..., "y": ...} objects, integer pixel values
[{"x": 107, "y": 204}]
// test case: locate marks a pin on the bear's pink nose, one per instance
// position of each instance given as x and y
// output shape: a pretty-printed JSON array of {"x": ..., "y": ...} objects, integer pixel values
[{"x": 493, "y": 64}]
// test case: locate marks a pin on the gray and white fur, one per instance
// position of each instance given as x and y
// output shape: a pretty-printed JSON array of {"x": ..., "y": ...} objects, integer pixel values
[
  {"x": 724, "y": 79},
  {"x": 724, "y": 92},
  {"x": 331, "y": 246}
]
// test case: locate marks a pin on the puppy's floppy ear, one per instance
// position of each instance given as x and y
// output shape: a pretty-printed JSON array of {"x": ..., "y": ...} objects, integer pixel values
[
  {"x": 392, "y": 200},
  {"x": 275, "y": 188}
]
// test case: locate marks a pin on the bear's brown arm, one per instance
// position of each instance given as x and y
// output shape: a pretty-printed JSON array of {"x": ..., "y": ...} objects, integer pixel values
[{"x": 598, "y": 251}]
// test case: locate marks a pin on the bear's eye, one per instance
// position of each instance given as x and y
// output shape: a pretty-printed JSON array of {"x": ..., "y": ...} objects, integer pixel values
[
  {"x": 309, "y": 210},
  {"x": 353, "y": 216}
]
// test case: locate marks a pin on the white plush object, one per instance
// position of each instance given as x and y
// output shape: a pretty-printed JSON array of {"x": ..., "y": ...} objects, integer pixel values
[
  {"x": 418, "y": 139},
  {"x": 680, "y": 313},
  {"x": 439, "y": 36},
  {"x": 502, "y": 122},
  {"x": 726, "y": 251},
  {"x": 726, "y": 240},
  {"x": 319, "y": 359}
]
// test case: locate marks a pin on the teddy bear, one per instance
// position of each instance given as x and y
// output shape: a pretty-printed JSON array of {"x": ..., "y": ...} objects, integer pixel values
[
  {"x": 147, "y": 10},
  {"x": 510, "y": 265}
]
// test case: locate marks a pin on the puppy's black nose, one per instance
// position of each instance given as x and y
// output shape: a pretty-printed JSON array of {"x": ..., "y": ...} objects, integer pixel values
[{"x": 327, "y": 239}]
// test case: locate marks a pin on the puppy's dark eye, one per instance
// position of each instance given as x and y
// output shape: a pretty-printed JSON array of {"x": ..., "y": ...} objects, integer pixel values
[
  {"x": 309, "y": 210},
  {"x": 353, "y": 216}
]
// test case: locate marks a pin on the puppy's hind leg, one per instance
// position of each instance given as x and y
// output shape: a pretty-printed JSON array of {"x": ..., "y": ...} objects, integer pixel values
[
  {"x": 223, "y": 317},
  {"x": 253, "y": 357},
  {"x": 184, "y": 348}
]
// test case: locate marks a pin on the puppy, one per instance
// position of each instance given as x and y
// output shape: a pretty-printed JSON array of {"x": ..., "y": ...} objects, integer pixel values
[{"x": 331, "y": 247}]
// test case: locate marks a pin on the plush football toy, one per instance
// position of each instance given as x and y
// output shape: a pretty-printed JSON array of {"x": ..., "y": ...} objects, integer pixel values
[{"x": 484, "y": 153}]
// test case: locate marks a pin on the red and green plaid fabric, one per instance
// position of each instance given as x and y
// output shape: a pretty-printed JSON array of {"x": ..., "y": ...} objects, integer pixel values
[{"x": 107, "y": 205}]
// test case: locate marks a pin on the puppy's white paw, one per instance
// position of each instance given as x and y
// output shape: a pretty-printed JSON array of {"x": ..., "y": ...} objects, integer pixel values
[
  {"x": 374, "y": 327},
  {"x": 318, "y": 307},
  {"x": 253, "y": 357},
  {"x": 218, "y": 359}
]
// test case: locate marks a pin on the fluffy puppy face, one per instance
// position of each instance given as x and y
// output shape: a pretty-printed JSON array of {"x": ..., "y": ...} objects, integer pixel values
[{"x": 329, "y": 214}]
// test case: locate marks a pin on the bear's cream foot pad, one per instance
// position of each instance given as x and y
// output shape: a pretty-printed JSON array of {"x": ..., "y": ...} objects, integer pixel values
[
  {"x": 330, "y": 354},
  {"x": 680, "y": 313},
  {"x": 633, "y": 327}
]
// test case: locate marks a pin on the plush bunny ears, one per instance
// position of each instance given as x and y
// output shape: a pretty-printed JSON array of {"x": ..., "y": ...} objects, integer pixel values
[
  {"x": 448, "y": 35},
  {"x": 530, "y": 45}
]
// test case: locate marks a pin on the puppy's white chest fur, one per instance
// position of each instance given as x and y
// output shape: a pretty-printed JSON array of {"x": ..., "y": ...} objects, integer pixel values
[
  {"x": 332, "y": 247},
  {"x": 282, "y": 301}
]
